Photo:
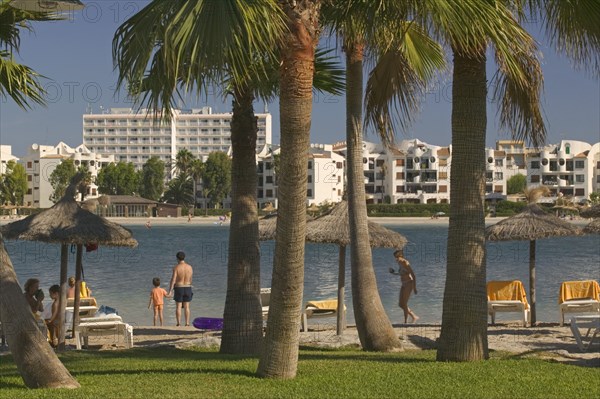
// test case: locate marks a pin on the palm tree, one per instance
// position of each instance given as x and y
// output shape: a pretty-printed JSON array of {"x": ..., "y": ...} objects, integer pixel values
[
  {"x": 364, "y": 24},
  {"x": 36, "y": 361},
  {"x": 184, "y": 161},
  {"x": 517, "y": 87},
  {"x": 179, "y": 191},
  {"x": 279, "y": 358},
  {"x": 194, "y": 44}
]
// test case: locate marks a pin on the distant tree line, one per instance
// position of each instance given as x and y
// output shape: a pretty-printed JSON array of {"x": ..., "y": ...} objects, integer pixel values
[{"x": 122, "y": 178}]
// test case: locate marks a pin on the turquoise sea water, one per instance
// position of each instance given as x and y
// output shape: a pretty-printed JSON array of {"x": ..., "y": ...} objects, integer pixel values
[{"x": 122, "y": 277}]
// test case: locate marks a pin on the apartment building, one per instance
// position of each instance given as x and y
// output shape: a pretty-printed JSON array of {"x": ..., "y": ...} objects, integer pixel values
[
  {"x": 325, "y": 182},
  {"x": 497, "y": 170},
  {"x": 136, "y": 136},
  {"x": 40, "y": 162},
  {"x": 5, "y": 156},
  {"x": 516, "y": 156},
  {"x": 569, "y": 168}
]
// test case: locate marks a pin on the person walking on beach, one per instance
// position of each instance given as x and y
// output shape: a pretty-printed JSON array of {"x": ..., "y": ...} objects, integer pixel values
[
  {"x": 156, "y": 297},
  {"x": 181, "y": 287},
  {"x": 409, "y": 284}
]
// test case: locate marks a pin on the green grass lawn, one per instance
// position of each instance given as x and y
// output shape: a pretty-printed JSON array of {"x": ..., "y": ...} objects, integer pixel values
[{"x": 349, "y": 373}]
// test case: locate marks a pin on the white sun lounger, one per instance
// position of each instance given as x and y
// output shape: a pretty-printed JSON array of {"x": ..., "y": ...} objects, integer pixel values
[
  {"x": 103, "y": 326},
  {"x": 591, "y": 322},
  {"x": 265, "y": 299},
  {"x": 579, "y": 297}
]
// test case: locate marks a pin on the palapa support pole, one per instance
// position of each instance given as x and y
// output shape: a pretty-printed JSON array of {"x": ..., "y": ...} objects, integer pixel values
[
  {"x": 78, "y": 268},
  {"x": 341, "y": 315},
  {"x": 532, "y": 280},
  {"x": 62, "y": 300}
]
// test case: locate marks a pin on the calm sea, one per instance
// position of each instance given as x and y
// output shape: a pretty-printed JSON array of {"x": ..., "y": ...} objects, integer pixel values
[{"x": 122, "y": 277}]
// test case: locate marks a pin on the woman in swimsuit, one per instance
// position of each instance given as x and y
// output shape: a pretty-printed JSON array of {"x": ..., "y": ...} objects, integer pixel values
[{"x": 409, "y": 284}]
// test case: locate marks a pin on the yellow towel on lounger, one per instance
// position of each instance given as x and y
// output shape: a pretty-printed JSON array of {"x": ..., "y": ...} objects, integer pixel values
[
  {"x": 327, "y": 304},
  {"x": 586, "y": 289},
  {"x": 506, "y": 291}
]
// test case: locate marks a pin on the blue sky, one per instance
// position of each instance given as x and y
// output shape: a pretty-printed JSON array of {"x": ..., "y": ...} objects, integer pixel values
[{"x": 75, "y": 56}]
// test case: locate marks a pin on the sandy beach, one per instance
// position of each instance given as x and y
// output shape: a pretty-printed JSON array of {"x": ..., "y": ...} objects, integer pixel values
[{"x": 548, "y": 341}]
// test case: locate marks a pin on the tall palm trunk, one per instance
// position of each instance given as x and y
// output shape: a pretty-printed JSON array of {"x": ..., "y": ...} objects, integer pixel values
[
  {"x": 36, "y": 361},
  {"x": 279, "y": 358},
  {"x": 242, "y": 327},
  {"x": 464, "y": 318},
  {"x": 374, "y": 328}
]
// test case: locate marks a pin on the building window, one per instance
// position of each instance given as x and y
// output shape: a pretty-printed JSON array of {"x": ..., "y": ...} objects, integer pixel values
[
  {"x": 309, "y": 178},
  {"x": 579, "y": 178},
  {"x": 498, "y": 176},
  {"x": 29, "y": 164},
  {"x": 399, "y": 175},
  {"x": 309, "y": 165},
  {"x": 399, "y": 189},
  {"x": 309, "y": 193},
  {"x": 269, "y": 193},
  {"x": 269, "y": 179},
  {"x": 28, "y": 191},
  {"x": 380, "y": 162},
  {"x": 268, "y": 165},
  {"x": 498, "y": 189},
  {"x": 399, "y": 162},
  {"x": 567, "y": 149},
  {"x": 443, "y": 189},
  {"x": 579, "y": 164},
  {"x": 29, "y": 178},
  {"x": 535, "y": 164},
  {"x": 535, "y": 178}
]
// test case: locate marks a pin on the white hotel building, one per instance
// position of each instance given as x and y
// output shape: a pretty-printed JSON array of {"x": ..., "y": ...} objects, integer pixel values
[
  {"x": 136, "y": 136},
  {"x": 40, "y": 162},
  {"x": 5, "y": 156},
  {"x": 326, "y": 180},
  {"x": 571, "y": 168}
]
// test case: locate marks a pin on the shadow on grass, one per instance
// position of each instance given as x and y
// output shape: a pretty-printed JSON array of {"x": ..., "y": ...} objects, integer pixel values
[{"x": 171, "y": 371}]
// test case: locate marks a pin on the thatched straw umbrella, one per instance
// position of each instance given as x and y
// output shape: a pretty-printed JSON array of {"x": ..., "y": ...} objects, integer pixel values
[
  {"x": 591, "y": 212},
  {"x": 334, "y": 228},
  {"x": 531, "y": 224},
  {"x": 66, "y": 223},
  {"x": 593, "y": 227}
]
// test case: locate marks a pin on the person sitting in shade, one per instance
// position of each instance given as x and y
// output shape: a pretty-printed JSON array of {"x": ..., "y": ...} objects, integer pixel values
[
  {"x": 34, "y": 295},
  {"x": 85, "y": 291},
  {"x": 409, "y": 284}
]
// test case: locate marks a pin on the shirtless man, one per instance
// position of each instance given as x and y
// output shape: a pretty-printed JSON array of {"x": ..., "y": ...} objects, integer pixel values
[{"x": 181, "y": 283}]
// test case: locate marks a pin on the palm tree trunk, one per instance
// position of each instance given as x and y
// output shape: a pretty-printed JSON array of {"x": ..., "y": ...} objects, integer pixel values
[
  {"x": 464, "y": 317},
  {"x": 279, "y": 358},
  {"x": 36, "y": 361},
  {"x": 374, "y": 328},
  {"x": 242, "y": 327}
]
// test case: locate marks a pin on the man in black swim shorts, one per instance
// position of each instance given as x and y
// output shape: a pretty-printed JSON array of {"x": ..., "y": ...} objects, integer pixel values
[{"x": 181, "y": 287}]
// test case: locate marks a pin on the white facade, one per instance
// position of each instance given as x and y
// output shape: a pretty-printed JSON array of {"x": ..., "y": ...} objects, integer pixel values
[
  {"x": 516, "y": 157},
  {"x": 568, "y": 168},
  {"x": 5, "y": 156},
  {"x": 135, "y": 137},
  {"x": 496, "y": 171},
  {"x": 40, "y": 162},
  {"x": 325, "y": 175},
  {"x": 411, "y": 171}
]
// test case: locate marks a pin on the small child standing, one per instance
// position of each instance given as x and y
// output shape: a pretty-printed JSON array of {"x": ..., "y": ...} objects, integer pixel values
[
  {"x": 52, "y": 322},
  {"x": 156, "y": 297}
]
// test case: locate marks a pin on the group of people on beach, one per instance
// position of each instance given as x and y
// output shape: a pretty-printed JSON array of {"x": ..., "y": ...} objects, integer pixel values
[
  {"x": 180, "y": 289},
  {"x": 48, "y": 315}
]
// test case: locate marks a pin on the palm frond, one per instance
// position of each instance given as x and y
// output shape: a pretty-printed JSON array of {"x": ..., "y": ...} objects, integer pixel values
[
  {"x": 176, "y": 47},
  {"x": 397, "y": 82},
  {"x": 573, "y": 27},
  {"x": 19, "y": 82}
]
